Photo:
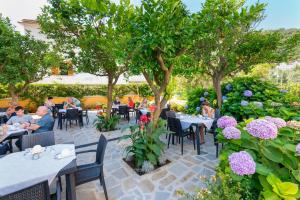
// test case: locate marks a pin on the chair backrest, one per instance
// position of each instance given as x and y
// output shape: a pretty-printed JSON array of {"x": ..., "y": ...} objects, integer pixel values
[
  {"x": 217, "y": 113},
  {"x": 3, "y": 109},
  {"x": 163, "y": 114},
  {"x": 171, "y": 114},
  {"x": 59, "y": 106},
  {"x": 43, "y": 139},
  {"x": 175, "y": 125},
  {"x": 72, "y": 114},
  {"x": 101, "y": 149},
  {"x": 138, "y": 114},
  {"x": 38, "y": 191},
  {"x": 123, "y": 110}
]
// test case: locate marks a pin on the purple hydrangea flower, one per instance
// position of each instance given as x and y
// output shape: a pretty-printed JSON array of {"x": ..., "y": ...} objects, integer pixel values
[
  {"x": 258, "y": 104},
  {"x": 226, "y": 121},
  {"x": 228, "y": 87},
  {"x": 298, "y": 148},
  {"x": 197, "y": 109},
  {"x": 186, "y": 106},
  {"x": 244, "y": 103},
  {"x": 277, "y": 121},
  {"x": 224, "y": 98},
  {"x": 205, "y": 94},
  {"x": 283, "y": 91},
  {"x": 202, "y": 99},
  {"x": 262, "y": 129},
  {"x": 242, "y": 163},
  {"x": 248, "y": 93},
  {"x": 231, "y": 133}
]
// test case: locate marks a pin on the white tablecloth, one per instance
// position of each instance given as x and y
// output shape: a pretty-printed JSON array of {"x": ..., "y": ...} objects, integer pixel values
[
  {"x": 186, "y": 121},
  {"x": 144, "y": 111},
  {"x": 65, "y": 110},
  {"x": 2, "y": 114},
  {"x": 18, "y": 171}
]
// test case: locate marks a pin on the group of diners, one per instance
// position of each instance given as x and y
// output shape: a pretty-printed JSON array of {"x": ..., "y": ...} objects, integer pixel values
[{"x": 43, "y": 120}]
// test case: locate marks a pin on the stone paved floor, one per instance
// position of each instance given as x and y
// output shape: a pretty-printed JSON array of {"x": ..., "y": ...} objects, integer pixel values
[{"x": 124, "y": 184}]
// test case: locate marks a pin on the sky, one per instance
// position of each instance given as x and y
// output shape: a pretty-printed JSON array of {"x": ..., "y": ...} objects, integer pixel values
[{"x": 280, "y": 13}]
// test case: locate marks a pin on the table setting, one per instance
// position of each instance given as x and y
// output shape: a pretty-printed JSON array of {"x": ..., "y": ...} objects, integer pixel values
[{"x": 22, "y": 169}]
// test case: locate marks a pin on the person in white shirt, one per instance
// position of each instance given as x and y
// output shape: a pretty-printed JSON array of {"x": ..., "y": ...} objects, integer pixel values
[{"x": 20, "y": 117}]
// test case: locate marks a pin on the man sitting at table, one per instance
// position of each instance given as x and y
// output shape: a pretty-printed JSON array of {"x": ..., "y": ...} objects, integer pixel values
[
  {"x": 72, "y": 103},
  {"x": 44, "y": 124},
  {"x": 10, "y": 112},
  {"x": 117, "y": 101},
  {"x": 20, "y": 117}
]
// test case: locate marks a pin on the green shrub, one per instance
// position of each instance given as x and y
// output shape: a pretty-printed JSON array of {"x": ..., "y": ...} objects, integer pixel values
[
  {"x": 277, "y": 161},
  {"x": 145, "y": 142},
  {"x": 102, "y": 124},
  {"x": 267, "y": 99}
]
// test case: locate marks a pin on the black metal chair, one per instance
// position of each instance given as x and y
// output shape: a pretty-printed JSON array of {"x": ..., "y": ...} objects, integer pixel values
[
  {"x": 43, "y": 139},
  {"x": 38, "y": 191},
  {"x": 175, "y": 126},
  {"x": 124, "y": 112},
  {"x": 4, "y": 148},
  {"x": 56, "y": 108},
  {"x": 163, "y": 114},
  {"x": 138, "y": 115},
  {"x": 85, "y": 114},
  {"x": 214, "y": 132},
  {"x": 170, "y": 114},
  {"x": 93, "y": 171},
  {"x": 72, "y": 115}
]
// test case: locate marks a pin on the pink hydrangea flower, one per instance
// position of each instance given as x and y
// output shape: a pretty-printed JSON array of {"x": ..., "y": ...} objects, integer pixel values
[
  {"x": 262, "y": 129},
  {"x": 242, "y": 163},
  {"x": 231, "y": 133},
  {"x": 277, "y": 121},
  {"x": 226, "y": 121}
]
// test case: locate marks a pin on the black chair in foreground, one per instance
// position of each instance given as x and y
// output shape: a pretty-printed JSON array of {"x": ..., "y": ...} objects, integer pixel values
[
  {"x": 44, "y": 139},
  {"x": 93, "y": 171},
  {"x": 124, "y": 112},
  {"x": 38, "y": 191},
  {"x": 175, "y": 126}
]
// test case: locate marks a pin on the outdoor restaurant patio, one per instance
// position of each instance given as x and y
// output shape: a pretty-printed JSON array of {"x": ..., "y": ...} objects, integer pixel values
[{"x": 149, "y": 100}]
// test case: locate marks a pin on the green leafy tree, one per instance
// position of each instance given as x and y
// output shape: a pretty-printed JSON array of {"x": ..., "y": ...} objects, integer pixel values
[
  {"x": 161, "y": 30},
  {"x": 227, "y": 40},
  {"x": 93, "y": 33},
  {"x": 23, "y": 60}
]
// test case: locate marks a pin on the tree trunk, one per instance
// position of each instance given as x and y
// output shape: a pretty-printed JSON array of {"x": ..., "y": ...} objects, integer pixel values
[
  {"x": 14, "y": 96},
  {"x": 110, "y": 88},
  {"x": 217, "y": 85}
]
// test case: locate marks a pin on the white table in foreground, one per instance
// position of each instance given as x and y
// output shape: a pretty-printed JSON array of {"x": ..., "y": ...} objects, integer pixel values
[{"x": 18, "y": 171}]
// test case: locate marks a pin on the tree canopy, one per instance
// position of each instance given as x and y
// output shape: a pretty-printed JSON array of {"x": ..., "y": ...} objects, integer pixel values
[
  {"x": 162, "y": 35},
  {"x": 93, "y": 33},
  {"x": 23, "y": 60},
  {"x": 227, "y": 40}
]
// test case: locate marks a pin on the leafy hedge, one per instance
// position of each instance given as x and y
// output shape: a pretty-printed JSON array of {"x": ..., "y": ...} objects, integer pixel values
[
  {"x": 266, "y": 99},
  {"x": 38, "y": 92}
]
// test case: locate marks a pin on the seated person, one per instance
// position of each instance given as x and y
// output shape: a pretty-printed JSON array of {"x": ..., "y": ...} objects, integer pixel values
[
  {"x": 130, "y": 102},
  {"x": 49, "y": 103},
  {"x": 10, "y": 112},
  {"x": 72, "y": 103},
  {"x": 207, "y": 111},
  {"x": 44, "y": 124},
  {"x": 117, "y": 101},
  {"x": 144, "y": 103},
  {"x": 20, "y": 117}
]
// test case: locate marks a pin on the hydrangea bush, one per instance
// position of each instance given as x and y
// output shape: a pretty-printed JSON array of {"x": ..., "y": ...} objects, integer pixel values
[{"x": 266, "y": 153}]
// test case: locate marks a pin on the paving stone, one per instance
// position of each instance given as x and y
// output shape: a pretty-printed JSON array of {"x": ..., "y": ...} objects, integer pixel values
[
  {"x": 189, "y": 175},
  {"x": 115, "y": 192},
  {"x": 159, "y": 175},
  {"x": 146, "y": 186},
  {"x": 120, "y": 174},
  {"x": 129, "y": 184},
  {"x": 178, "y": 169},
  {"x": 166, "y": 181},
  {"x": 161, "y": 195}
]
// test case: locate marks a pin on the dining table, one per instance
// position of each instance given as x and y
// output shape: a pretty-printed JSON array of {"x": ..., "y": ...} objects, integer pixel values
[
  {"x": 199, "y": 122},
  {"x": 21, "y": 169},
  {"x": 62, "y": 112}
]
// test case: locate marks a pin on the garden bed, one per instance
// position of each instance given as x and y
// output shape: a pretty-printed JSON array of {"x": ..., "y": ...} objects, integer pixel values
[{"x": 138, "y": 171}]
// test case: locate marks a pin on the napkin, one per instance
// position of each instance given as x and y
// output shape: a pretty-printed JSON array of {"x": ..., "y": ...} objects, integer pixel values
[
  {"x": 37, "y": 149},
  {"x": 65, "y": 153}
]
